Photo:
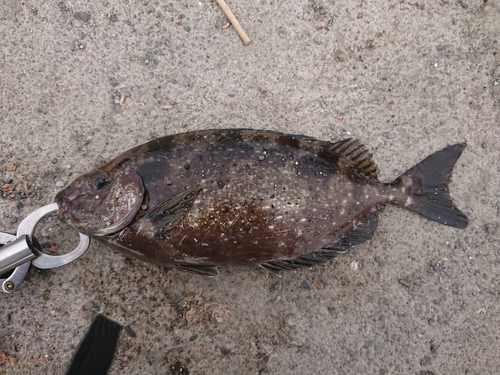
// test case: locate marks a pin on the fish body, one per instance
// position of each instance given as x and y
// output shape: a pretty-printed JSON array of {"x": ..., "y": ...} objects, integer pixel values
[{"x": 211, "y": 198}]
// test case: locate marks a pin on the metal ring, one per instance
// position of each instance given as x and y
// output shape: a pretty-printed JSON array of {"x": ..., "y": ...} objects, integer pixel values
[{"x": 45, "y": 261}]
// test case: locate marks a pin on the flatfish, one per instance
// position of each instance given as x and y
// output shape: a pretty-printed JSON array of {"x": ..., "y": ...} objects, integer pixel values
[{"x": 210, "y": 198}]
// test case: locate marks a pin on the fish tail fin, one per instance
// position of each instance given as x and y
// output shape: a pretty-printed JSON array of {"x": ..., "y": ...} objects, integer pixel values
[{"x": 426, "y": 187}]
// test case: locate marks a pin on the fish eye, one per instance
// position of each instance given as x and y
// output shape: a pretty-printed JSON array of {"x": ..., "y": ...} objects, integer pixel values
[{"x": 99, "y": 181}]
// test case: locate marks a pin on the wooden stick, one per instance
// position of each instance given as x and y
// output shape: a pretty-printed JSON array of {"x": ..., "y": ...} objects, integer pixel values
[{"x": 243, "y": 35}]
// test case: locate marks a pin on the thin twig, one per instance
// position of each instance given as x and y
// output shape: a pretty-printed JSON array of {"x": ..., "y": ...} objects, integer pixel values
[{"x": 243, "y": 35}]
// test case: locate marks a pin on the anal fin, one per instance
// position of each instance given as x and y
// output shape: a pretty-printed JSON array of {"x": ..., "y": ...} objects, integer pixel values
[
  {"x": 305, "y": 261},
  {"x": 363, "y": 232},
  {"x": 199, "y": 269}
]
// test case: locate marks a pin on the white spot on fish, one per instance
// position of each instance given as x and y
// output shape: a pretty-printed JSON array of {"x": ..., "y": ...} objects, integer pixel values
[{"x": 408, "y": 201}]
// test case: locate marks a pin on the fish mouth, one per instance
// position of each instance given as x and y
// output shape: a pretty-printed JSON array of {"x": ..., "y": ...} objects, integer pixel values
[{"x": 63, "y": 200}]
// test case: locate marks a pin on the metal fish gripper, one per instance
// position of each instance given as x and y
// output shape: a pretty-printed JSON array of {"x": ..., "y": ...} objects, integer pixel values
[{"x": 18, "y": 251}]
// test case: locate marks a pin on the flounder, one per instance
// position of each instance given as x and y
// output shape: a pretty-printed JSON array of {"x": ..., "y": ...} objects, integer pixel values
[{"x": 210, "y": 198}]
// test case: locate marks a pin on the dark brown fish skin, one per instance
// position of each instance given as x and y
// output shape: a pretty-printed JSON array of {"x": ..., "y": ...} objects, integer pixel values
[{"x": 239, "y": 197}]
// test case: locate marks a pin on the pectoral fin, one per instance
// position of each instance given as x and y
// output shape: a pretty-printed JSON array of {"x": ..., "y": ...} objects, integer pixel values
[{"x": 167, "y": 214}]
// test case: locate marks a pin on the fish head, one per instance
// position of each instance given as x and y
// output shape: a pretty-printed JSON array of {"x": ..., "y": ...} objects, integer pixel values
[{"x": 101, "y": 202}]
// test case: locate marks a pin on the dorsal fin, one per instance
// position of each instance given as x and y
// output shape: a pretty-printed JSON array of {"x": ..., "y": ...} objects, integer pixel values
[{"x": 355, "y": 152}]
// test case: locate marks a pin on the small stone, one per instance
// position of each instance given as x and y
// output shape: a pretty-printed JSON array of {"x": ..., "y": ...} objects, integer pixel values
[
  {"x": 432, "y": 321},
  {"x": 305, "y": 285},
  {"x": 68, "y": 166},
  {"x": 113, "y": 18},
  {"x": 59, "y": 183},
  {"x": 425, "y": 361},
  {"x": 194, "y": 337},
  {"x": 82, "y": 16},
  {"x": 225, "y": 350},
  {"x": 405, "y": 283},
  {"x": 130, "y": 331},
  {"x": 126, "y": 94},
  {"x": 88, "y": 306},
  {"x": 274, "y": 287},
  {"x": 54, "y": 161}
]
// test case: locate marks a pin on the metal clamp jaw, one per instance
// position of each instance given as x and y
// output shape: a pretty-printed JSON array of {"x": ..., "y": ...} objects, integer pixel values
[{"x": 19, "y": 251}]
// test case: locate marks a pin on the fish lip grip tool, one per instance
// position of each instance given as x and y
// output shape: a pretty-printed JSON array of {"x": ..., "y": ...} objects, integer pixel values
[{"x": 19, "y": 251}]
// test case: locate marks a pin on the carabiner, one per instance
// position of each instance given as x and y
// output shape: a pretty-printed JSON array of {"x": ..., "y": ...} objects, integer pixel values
[{"x": 21, "y": 250}]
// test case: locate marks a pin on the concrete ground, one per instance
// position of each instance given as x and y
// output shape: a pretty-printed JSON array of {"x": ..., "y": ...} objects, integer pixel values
[{"x": 404, "y": 77}]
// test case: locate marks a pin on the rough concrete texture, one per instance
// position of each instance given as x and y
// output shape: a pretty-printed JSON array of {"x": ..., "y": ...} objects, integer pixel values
[{"x": 408, "y": 78}]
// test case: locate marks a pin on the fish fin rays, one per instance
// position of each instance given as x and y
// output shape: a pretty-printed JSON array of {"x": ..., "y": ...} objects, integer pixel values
[
  {"x": 291, "y": 265},
  {"x": 427, "y": 185},
  {"x": 199, "y": 269},
  {"x": 305, "y": 261},
  {"x": 362, "y": 163},
  {"x": 167, "y": 214},
  {"x": 361, "y": 233}
]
